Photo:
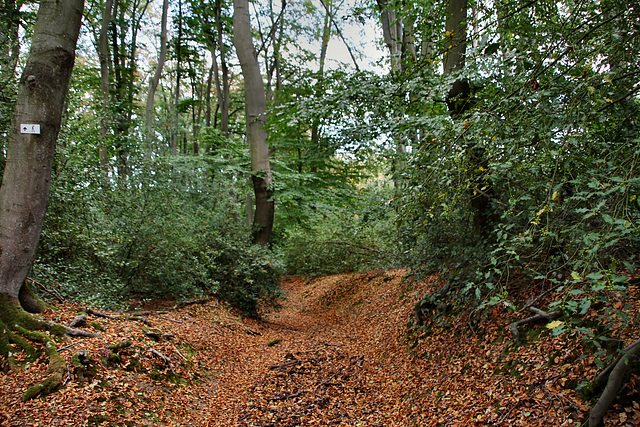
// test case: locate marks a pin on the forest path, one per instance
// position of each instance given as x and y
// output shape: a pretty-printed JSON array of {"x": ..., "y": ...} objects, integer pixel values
[{"x": 337, "y": 356}]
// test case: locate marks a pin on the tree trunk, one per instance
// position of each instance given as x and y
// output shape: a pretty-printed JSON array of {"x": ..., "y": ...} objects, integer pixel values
[
  {"x": 42, "y": 92},
  {"x": 103, "y": 55},
  {"x": 155, "y": 80},
  {"x": 256, "y": 117},
  {"x": 9, "y": 41},
  {"x": 173, "y": 144},
  {"x": 222, "y": 91},
  {"x": 458, "y": 103}
]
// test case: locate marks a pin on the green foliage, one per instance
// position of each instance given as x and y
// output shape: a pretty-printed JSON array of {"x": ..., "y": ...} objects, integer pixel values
[
  {"x": 174, "y": 229},
  {"x": 357, "y": 237},
  {"x": 558, "y": 128}
]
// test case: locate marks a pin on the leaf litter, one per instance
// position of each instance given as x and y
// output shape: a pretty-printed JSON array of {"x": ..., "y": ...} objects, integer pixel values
[{"x": 341, "y": 352}]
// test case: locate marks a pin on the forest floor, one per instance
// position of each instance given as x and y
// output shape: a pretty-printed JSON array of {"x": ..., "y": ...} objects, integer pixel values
[{"x": 337, "y": 353}]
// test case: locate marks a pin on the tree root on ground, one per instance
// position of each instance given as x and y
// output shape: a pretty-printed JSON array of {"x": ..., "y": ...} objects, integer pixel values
[
  {"x": 615, "y": 372},
  {"x": 17, "y": 328}
]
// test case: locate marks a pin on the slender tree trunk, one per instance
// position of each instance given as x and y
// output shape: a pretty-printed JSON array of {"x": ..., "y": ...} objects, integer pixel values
[
  {"x": 103, "y": 55},
  {"x": 315, "y": 128},
  {"x": 155, "y": 79},
  {"x": 26, "y": 182},
  {"x": 392, "y": 33},
  {"x": 256, "y": 117},
  {"x": 9, "y": 42},
  {"x": 173, "y": 147},
  {"x": 222, "y": 90}
]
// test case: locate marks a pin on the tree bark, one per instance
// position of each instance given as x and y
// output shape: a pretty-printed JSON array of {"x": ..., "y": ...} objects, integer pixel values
[
  {"x": 222, "y": 91},
  {"x": 103, "y": 56},
  {"x": 256, "y": 117},
  {"x": 155, "y": 80},
  {"x": 458, "y": 103},
  {"x": 9, "y": 42},
  {"x": 26, "y": 182}
]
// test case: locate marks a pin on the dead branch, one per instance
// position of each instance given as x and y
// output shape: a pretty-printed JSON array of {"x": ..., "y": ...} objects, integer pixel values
[
  {"x": 533, "y": 300},
  {"x": 179, "y": 354},
  {"x": 51, "y": 292},
  {"x": 129, "y": 317},
  {"x": 146, "y": 313},
  {"x": 616, "y": 372},
  {"x": 540, "y": 315},
  {"x": 251, "y": 332},
  {"x": 162, "y": 357},
  {"x": 70, "y": 345}
]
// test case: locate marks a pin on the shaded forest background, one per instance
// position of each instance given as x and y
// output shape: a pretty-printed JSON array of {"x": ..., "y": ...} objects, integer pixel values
[{"x": 497, "y": 145}]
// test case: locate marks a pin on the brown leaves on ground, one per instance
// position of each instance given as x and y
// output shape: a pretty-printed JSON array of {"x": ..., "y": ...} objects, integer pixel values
[{"x": 336, "y": 354}]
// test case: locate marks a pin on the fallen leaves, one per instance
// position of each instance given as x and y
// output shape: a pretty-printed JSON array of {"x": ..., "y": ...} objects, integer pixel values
[{"x": 336, "y": 354}]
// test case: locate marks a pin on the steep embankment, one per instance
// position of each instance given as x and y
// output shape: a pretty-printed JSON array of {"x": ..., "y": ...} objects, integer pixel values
[{"x": 336, "y": 354}]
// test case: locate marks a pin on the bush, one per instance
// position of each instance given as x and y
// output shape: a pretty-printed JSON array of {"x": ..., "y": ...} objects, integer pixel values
[
  {"x": 177, "y": 234},
  {"x": 354, "y": 238}
]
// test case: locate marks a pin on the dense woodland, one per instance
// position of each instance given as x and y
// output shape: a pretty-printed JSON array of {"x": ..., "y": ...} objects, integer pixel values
[{"x": 209, "y": 148}]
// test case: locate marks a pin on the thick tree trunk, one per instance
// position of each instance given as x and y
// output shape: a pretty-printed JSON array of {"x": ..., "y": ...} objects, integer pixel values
[
  {"x": 25, "y": 185},
  {"x": 256, "y": 116}
]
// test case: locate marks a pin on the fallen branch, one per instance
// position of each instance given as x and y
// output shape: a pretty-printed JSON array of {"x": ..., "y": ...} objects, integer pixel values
[
  {"x": 539, "y": 316},
  {"x": 129, "y": 317},
  {"x": 616, "y": 372},
  {"x": 164, "y": 358},
  {"x": 533, "y": 300},
  {"x": 70, "y": 345},
  {"x": 251, "y": 332},
  {"x": 179, "y": 354},
  {"x": 99, "y": 314}
]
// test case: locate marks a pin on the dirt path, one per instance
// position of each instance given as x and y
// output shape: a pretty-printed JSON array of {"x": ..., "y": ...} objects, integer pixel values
[
  {"x": 336, "y": 355},
  {"x": 332, "y": 363}
]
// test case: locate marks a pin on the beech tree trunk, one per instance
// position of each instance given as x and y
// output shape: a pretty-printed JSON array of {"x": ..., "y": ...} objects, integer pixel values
[
  {"x": 458, "y": 103},
  {"x": 256, "y": 117},
  {"x": 105, "y": 89},
  {"x": 155, "y": 79},
  {"x": 42, "y": 92}
]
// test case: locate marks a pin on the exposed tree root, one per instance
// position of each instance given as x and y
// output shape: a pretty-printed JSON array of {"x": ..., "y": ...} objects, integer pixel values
[
  {"x": 17, "y": 328},
  {"x": 616, "y": 372}
]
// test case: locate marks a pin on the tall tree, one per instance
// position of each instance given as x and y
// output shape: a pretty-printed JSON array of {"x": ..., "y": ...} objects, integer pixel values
[
  {"x": 458, "y": 103},
  {"x": 155, "y": 79},
  {"x": 105, "y": 87},
  {"x": 256, "y": 117},
  {"x": 25, "y": 185}
]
